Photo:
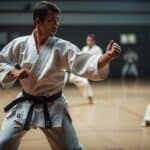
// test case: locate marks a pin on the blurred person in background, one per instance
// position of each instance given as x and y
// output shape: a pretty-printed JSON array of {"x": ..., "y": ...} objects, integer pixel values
[
  {"x": 129, "y": 68},
  {"x": 82, "y": 83},
  {"x": 146, "y": 121}
]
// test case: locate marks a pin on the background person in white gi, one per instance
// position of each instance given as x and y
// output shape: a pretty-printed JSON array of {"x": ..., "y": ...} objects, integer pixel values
[
  {"x": 43, "y": 58},
  {"x": 83, "y": 83},
  {"x": 91, "y": 46},
  {"x": 146, "y": 122}
]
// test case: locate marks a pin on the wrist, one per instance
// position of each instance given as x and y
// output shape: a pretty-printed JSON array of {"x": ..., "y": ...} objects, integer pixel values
[
  {"x": 104, "y": 60},
  {"x": 12, "y": 72},
  {"x": 107, "y": 57}
]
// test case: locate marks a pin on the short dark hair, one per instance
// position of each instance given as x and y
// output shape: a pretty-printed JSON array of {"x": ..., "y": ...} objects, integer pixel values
[
  {"x": 41, "y": 10},
  {"x": 93, "y": 36}
]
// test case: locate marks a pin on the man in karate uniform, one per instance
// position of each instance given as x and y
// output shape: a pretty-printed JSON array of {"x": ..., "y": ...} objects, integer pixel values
[
  {"x": 42, "y": 58},
  {"x": 83, "y": 83}
]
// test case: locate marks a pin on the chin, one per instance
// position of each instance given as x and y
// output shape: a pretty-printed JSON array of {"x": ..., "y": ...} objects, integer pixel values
[{"x": 53, "y": 34}]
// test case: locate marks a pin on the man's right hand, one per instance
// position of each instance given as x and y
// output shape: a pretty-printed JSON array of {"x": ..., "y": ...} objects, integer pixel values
[{"x": 19, "y": 74}]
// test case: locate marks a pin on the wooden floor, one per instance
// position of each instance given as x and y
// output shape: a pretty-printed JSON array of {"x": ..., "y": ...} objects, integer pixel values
[{"x": 113, "y": 123}]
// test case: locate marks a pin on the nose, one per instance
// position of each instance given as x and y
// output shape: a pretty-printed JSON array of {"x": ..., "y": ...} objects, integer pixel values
[{"x": 56, "y": 22}]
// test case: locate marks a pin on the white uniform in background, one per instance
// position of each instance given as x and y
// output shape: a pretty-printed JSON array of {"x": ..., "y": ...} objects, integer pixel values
[
  {"x": 147, "y": 113},
  {"x": 46, "y": 79},
  {"x": 95, "y": 49},
  {"x": 83, "y": 83}
]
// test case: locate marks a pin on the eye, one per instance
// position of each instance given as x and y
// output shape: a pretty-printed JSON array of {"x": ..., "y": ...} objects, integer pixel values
[
  {"x": 53, "y": 18},
  {"x": 50, "y": 19}
]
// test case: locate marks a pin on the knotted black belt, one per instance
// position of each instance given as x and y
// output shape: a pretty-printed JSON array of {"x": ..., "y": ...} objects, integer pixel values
[{"x": 36, "y": 100}]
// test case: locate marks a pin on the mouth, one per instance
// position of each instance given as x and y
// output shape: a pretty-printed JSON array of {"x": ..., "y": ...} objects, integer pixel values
[{"x": 53, "y": 30}]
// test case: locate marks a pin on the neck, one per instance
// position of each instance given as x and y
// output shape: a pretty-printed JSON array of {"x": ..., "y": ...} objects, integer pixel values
[
  {"x": 90, "y": 46},
  {"x": 40, "y": 38}
]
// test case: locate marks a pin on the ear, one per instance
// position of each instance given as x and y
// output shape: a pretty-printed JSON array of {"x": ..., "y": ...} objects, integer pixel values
[{"x": 37, "y": 21}]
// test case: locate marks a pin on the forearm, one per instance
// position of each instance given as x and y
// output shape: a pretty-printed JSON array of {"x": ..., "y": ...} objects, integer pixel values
[
  {"x": 8, "y": 60},
  {"x": 104, "y": 60},
  {"x": 5, "y": 79},
  {"x": 9, "y": 76},
  {"x": 12, "y": 72}
]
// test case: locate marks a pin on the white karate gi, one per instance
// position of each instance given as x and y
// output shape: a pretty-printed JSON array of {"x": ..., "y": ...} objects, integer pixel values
[
  {"x": 83, "y": 83},
  {"x": 147, "y": 113},
  {"x": 46, "y": 79},
  {"x": 95, "y": 49}
]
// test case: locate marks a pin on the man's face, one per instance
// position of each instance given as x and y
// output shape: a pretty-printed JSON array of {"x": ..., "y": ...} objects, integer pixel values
[
  {"x": 50, "y": 24},
  {"x": 90, "y": 41}
]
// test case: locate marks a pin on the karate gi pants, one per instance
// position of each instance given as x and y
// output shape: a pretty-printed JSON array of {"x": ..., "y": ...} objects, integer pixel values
[{"x": 60, "y": 138}]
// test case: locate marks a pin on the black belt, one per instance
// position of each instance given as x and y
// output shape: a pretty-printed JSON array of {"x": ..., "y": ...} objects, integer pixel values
[{"x": 36, "y": 100}]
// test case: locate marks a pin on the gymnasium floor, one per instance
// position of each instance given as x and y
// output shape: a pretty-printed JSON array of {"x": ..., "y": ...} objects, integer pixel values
[{"x": 113, "y": 123}]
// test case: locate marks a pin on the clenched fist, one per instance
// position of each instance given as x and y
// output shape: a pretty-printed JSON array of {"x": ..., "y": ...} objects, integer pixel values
[
  {"x": 19, "y": 74},
  {"x": 113, "y": 50}
]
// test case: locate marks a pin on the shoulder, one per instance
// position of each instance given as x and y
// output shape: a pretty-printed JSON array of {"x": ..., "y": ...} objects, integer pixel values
[
  {"x": 97, "y": 47},
  {"x": 16, "y": 43},
  {"x": 64, "y": 44},
  {"x": 19, "y": 40},
  {"x": 84, "y": 48},
  {"x": 62, "y": 41}
]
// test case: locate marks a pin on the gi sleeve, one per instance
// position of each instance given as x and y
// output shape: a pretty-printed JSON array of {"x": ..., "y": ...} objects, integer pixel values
[
  {"x": 8, "y": 60},
  {"x": 84, "y": 64}
]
